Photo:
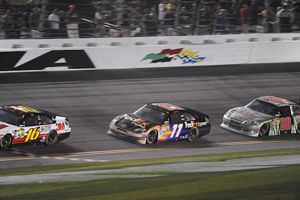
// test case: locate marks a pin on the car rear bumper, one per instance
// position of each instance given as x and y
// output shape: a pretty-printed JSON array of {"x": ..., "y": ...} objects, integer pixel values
[
  {"x": 64, "y": 136},
  {"x": 204, "y": 130}
]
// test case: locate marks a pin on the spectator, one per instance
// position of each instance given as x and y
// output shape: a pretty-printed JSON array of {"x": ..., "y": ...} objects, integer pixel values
[
  {"x": 161, "y": 12},
  {"x": 2, "y": 35},
  {"x": 54, "y": 22},
  {"x": 34, "y": 18},
  {"x": 63, "y": 27},
  {"x": 8, "y": 24},
  {"x": 297, "y": 13},
  {"x": 169, "y": 20},
  {"x": 267, "y": 20},
  {"x": 72, "y": 22},
  {"x": 150, "y": 24},
  {"x": 244, "y": 14},
  {"x": 254, "y": 10},
  {"x": 221, "y": 22},
  {"x": 284, "y": 17},
  {"x": 34, "y": 21},
  {"x": 20, "y": 25},
  {"x": 99, "y": 22}
]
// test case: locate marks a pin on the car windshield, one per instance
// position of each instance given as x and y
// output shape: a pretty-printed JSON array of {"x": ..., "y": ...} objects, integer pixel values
[
  {"x": 263, "y": 107},
  {"x": 9, "y": 118},
  {"x": 151, "y": 114}
]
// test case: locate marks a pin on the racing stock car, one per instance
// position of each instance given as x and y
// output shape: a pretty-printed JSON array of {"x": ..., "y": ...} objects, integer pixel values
[
  {"x": 21, "y": 125},
  {"x": 264, "y": 116},
  {"x": 157, "y": 122}
]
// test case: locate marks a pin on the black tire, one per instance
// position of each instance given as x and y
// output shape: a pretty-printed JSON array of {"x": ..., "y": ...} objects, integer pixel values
[
  {"x": 298, "y": 128},
  {"x": 193, "y": 135},
  {"x": 6, "y": 141},
  {"x": 152, "y": 137},
  {"x": 264, "y": 130},
  {"x": 51, "y": 139}
]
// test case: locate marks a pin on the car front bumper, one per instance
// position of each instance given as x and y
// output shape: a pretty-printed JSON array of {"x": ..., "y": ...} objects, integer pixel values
[
  {"x": 239, "y": 127},
  {"x": 138, "y": 137}
]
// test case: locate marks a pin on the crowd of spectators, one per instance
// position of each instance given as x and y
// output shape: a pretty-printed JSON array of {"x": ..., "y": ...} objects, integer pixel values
[{"x": 131, "y": 18}]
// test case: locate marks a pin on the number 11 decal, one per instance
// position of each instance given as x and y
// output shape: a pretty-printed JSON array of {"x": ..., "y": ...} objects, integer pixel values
[{"x": 176, "y": 130}]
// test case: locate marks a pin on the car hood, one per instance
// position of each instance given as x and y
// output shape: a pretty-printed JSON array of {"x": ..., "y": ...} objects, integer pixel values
[
  {"x": 130, "y": 122},
  {"x": 244, "y": 113}
]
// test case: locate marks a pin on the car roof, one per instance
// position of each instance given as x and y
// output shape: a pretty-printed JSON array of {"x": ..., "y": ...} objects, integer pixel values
[
  {"x": 19, "y": 109},
  {"x": 276, "y": 100},
  {"x": 166, "y": 106}
]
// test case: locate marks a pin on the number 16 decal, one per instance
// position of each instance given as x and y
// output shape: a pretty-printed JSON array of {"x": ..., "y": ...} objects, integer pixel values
[{"x": 176, "y": 130}]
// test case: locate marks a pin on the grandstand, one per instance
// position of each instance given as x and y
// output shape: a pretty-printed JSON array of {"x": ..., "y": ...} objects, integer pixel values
[{"x": 20, "y": 19}]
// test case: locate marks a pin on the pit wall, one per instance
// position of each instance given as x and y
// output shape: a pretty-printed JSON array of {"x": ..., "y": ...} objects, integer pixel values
[{"x": 148, "y": 52}]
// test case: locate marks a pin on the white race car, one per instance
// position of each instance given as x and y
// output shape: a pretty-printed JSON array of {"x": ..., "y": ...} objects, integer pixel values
[{"x": 22, "y": 124}]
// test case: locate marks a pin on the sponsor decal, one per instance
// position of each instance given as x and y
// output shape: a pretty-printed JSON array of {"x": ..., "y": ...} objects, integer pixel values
[
  {"x": 22, "y": 60},
  {"x": 60, "y": 126},
  {"x": 45, "y": 128},
  {"x": 169, "y": 55}
]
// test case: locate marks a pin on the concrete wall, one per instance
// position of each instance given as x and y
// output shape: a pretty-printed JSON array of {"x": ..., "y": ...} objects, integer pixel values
[{"x": 148, "y": 52}]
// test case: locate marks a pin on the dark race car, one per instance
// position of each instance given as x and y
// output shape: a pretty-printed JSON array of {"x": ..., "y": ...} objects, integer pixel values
[
  {"x": 157, "y": 122},
  {"x": 22, "y": 125},
  {"x": 264, "y": 116}
]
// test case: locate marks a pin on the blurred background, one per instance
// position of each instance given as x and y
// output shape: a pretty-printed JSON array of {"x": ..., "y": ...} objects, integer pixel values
[{"x": 21, "y": 19}]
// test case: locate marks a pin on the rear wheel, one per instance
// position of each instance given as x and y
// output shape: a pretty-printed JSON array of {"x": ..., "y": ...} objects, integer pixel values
[
  {"x": 51, "y": 139},
  {"x": 6, "y": 141},
  {"x": 264, "y": 130},
  {"x": 298, "y": 128},
  {"x": 152, "y": 137},
  {"x": 193, "y": 135}
]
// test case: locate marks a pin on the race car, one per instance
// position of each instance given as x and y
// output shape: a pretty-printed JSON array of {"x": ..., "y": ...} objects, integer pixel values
[
  {"x": 158, "y": 122},
  {"x": 21, "y": 125},
  {"x": 264, "y": 116}
]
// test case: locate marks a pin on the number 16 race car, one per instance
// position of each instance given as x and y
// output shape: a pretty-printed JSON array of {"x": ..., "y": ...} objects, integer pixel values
[
  {"x": 157, "y": 122},
  {"x": 264, "y": 116},
  {"x": 21, "y": 124}
]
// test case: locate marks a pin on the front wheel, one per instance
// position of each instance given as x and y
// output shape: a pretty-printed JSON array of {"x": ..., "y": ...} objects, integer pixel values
[
  {"x": 193, "y": 135},
  {"x": 152, "y": 137},
  {"x": 6, "y": 141},
  {"x": 264, "y": 130},
  {"x": 51, "y": 139}
]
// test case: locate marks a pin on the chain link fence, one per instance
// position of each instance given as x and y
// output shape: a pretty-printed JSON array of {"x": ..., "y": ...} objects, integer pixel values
[{"x": 21, "y": 19}]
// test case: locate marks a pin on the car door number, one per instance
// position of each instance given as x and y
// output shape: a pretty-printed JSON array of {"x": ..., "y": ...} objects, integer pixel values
[
  {"x": 176, "y": 130},
  {"x": 285, "y": 123},
  {"x": 32, "y": 134}
]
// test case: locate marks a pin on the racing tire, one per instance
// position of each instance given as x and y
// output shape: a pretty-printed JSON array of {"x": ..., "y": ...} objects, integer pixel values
[
  {"x": 152, "y": 137},
  {"x": 51, "y": 139},
  {"x": 264, "y": 130},
  {"x": 193, "y": 136},
  {"x": 298, "y": 129},
  {"x": 6, "y": 142}
]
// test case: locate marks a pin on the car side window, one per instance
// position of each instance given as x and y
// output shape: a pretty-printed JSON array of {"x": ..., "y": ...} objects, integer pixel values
[
  {"x": 176, "y": 117},
  {"x": 31, "y": 120},
  {"x": 188, "y": 117},
  {"x": 45, "y": 119},
  {"x": 296, "y": 110},
  {"x": 285, "y": 111}
]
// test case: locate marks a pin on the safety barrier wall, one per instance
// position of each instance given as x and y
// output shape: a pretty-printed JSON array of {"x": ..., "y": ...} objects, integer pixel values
[{"x": 148, "y": 52}]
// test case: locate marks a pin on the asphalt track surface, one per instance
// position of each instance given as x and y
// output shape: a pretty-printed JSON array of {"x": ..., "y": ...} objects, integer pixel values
[{"x": 91, "y": 99}]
